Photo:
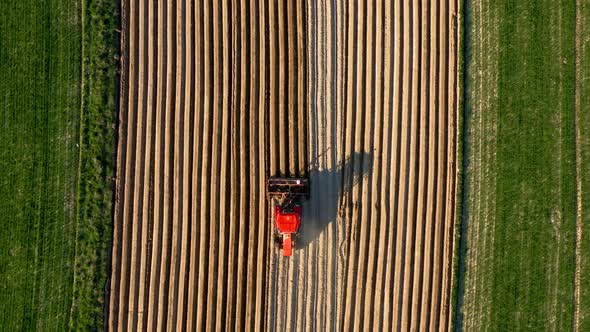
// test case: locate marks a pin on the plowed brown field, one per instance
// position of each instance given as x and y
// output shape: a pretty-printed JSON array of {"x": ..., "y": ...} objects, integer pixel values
[{"x": 217, "y": 95}]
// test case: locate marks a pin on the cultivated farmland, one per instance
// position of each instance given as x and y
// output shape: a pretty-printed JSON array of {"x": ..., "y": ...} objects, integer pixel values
[
  {"x": 218, "y": 95},
  {"x": 378, "y": 230}
]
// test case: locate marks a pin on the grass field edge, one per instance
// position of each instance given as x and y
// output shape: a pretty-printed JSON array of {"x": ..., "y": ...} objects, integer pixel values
[
  {"x": 99, "y": 69},
  {"x": 459, "y": 230}
]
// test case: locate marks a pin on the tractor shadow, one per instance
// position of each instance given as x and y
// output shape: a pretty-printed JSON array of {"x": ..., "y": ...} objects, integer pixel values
[{"x": 330, "y": 194}]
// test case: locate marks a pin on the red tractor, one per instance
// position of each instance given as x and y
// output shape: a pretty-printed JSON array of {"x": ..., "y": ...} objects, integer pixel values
[{"x": 285, "y": 195}]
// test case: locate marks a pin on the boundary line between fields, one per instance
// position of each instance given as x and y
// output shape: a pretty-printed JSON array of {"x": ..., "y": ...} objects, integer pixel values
[
  {"x": 578, "y": 159},
  {"x": 463, "y": 151},
  {"x": 79, "y": 171}
]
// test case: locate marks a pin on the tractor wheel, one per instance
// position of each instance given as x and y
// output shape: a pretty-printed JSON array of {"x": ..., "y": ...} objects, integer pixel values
[{"x": 278, "y": 239}]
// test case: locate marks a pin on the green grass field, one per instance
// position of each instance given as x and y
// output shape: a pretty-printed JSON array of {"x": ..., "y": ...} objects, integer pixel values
[
  {"x": 56, "y": 148},
  {"x": 40, "y": 113},
  {"x": 521, "y": 177}
]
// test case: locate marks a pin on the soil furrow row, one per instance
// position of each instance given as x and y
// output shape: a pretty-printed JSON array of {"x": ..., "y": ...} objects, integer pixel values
[
  {"x": 148, "y": 198},
  {"x": 138, "y": 171},
  {"x": 431, "y": 157},
  {"x": 115, "y": 278},
  {"x": 153, "y": 303},
  {"x": 178, "y": 159},
  {"x": 423, "y": 134},
  {"x": 197, "y": 107},
  {"x": 384, "y": 253},
  {"x": 205, "y": 163},
  {"x": 129, "y": 174}
]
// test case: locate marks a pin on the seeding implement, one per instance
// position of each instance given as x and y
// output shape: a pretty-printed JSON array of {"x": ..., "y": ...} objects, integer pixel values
[{"x": 286, "y": 195}]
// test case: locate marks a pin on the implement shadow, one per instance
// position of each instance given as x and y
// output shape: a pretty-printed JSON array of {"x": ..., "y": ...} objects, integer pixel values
[{"x": 329, "y": 193}]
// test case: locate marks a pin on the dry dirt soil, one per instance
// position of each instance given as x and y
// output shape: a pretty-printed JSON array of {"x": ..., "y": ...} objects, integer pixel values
[{"x": 361, "y": 96}]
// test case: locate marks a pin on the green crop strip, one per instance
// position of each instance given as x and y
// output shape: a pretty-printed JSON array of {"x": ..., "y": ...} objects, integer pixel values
[
  {"x": 535, "y": 228},
  {"x": 56, "y": 161},
  {"x": 39, "y": 116},
  {"x": 521, "y": 192}
]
